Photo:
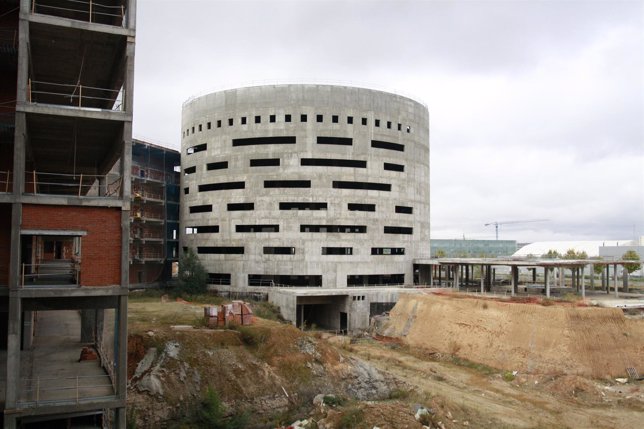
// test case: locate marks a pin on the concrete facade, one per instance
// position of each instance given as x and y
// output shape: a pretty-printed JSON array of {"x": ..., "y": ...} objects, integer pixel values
[{"x": 305, "y": 185}]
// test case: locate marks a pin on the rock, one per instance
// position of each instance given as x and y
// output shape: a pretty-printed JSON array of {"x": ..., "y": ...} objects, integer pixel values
[
  {"x": 365, "y": 382},
  {"x": 145, "y": 363},
  {"x": 319, "y": 399},
  {"x": 151, "y": 384},
  {"x": 421, "y": 414},
  {"x": 621, "y": 380},
  {"x": 172, "y": 349}
]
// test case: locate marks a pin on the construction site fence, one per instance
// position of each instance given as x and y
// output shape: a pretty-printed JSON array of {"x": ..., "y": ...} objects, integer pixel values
[
  {"x": 50, "y": 273},
  {"x": 89, "y": 10},
  {"x": 77, "y": 95},
  {"x": 75, "y": 389},
  {"x": 81, "y": 185}
]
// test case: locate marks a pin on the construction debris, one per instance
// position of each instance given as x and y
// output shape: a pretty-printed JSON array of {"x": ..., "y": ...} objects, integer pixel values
[{"x": 237, "y": 313}]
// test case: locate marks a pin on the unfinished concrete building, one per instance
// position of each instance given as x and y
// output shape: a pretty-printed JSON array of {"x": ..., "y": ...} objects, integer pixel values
[
  {"x": 66, "y": 91},
  {"x": 154, "y": 229},
  {"x": 311, "y": 186}
]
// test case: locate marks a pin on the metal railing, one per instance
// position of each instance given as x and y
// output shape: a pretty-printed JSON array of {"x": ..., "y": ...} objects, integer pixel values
[
  {"x": 9, "y": 36},
  {"x": 5, "y": 181},
  {"x": 75, "y": 95},
  {"x": 148, "y": 173},
  {"x": 75, "y": 389},
  {"x": 81, "y": 185},
  {"x": 147, "y": 194},
  {"x": 82, "y": 10},
  {"x": 51, "y": 272}
]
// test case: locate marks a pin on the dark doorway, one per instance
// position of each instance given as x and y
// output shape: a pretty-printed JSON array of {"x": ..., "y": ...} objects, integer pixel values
[{"x": 343, "y": 322}]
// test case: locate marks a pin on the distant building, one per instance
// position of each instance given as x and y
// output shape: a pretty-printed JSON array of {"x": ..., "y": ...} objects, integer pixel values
[
  {"x": 472, "y": 248},
  {"x": 154, "y": 228},
  {"x": 591, "y": 247}
]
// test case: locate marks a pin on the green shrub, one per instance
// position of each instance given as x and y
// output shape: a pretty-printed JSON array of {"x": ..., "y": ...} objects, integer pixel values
[
  {"x": 252, "y": 336},
  {"x": 192, "y": 274},
  {"x": 351, "y": 418},
  {"x": 333, "y": 401},
  {"x": 508, "y": 376},
  {"x": 267, "y": 310}
]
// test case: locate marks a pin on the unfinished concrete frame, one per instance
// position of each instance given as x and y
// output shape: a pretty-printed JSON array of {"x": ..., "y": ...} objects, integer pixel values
[{"x": 75, "y": 65}]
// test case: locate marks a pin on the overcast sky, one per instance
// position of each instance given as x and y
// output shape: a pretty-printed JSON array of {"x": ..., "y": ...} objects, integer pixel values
[{"x": 536, "y": 107}]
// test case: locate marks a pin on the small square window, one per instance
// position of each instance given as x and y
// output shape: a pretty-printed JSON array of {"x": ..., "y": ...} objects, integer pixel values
[
  {"x": 187, "y": 131},
  {"x": 320, "y": 118},
  {"x": 364, "y": 121},
  {"x": 193, "y": 130},
  {"x": 209, "y": 125},
  {"x": 219, "y": 123},
  {"x": 303, "y": 118},
  {"x": 334, "y": 119},
  {"x": 349, "y": 119},
  {"x": 258, "y": 119},
  {"x": 287, "y": 118},
  {"x": 199, "y": 127},
  {"x": 230, "y": 122},
  {"x": 408, "y": 129},
  {"x": 377, "y": 122},
  {"x": 399, "y": 127},
  {"x": 271, "y": 118},
  {"x": 389, "y": 124},
  {"x": 243, "y": 120}
]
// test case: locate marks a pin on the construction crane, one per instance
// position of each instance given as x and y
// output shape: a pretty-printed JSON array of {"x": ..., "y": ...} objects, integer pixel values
[{"x": 496, "y": 224}]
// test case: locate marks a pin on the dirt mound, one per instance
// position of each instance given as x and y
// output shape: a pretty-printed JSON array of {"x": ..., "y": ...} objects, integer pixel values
[{"x": 532, "y": 338}]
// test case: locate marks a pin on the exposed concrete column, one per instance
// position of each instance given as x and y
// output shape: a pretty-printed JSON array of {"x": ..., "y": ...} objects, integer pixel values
[
  {"x": 615, "y": 280},
  {"x": 625, "y": 276},
  {"x": 515, "y": 279},
  {"x": 482, "y": 278},
  {"x": 604, "y": 278},
  {"x": 13, "y": 354},
  {"x": 534, "y": 275},
  {"x": 546, "y": 283},
  {"x": 592, "y": 276},
  {"x": 583, "y": 283},
  {"x": 431, "y": 275},
  {"x": 440, "y": 276},
  {"x": 28, "y": 321},
  {"x": 457, "y": 277}
]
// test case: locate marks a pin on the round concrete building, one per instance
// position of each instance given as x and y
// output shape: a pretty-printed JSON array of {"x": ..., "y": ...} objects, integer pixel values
[{"x": 305, "y": 185}]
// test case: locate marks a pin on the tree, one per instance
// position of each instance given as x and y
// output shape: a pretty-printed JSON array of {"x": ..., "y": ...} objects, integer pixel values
[
  {"x": 631, "y": 255},
  {"x": 572, "y": 254},
  {"x": 192, "y": 275},
  {"x": 551, "y": 254},
  {"x": 440, "y": 253}
]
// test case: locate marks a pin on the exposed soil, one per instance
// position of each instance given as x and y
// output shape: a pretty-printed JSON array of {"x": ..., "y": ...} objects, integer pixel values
[
  {"x": 452, "y": 356},
  {"x": 560, "y": 338}
]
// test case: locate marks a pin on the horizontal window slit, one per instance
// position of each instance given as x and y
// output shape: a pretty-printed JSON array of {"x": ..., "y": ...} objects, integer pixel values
[
  {"x": 265, "y": 162},
  {"x": 220, "y": 250},
  {"x": 303, "y": 206},
  {"x": 399, "y": 230},
  {"x": 370, "y": 186},
  {"x": 361, "y": 207},
  {"x": 232, "y": 207},
  {"x": 201, "y": 209},
  {"x": 220, "y": 165},
  {"x": 341, "y": 141},
  {"x": 221, "y": 186},
  {"x": 387, "y": 145},
  {"x": 328, "y": 162},
  {"x": 251, "y": 141},
  {"x": 287, "y": 183},
  {"x": 257, "y": 228},
  {"x": 361, "y": 229}
]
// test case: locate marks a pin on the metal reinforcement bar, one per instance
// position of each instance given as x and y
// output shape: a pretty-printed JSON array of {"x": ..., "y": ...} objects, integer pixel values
[
  {"x": 90, "y": 8},
  {"x": 76, "y": 94},
  {"x": 39, "y": 182}
]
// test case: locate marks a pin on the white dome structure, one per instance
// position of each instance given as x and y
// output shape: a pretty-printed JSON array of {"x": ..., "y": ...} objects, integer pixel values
[{"x": 591, "y": 248}]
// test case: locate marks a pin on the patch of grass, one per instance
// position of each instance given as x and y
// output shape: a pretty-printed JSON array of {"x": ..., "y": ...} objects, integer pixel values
[
  {"x": 508, "y": 376},
  {"x": 478, "y": 367},
  {"x": 333, "y": 400},
  {"x": 267, "y": 310},
  {"x": 351, "y": 418},
  {"x": 399, "y": 394},
  {"x": 252, "y": 336}
]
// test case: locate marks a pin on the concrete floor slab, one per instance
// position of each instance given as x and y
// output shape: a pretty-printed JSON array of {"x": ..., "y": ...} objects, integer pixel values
[{"x": 50, "y": 370}]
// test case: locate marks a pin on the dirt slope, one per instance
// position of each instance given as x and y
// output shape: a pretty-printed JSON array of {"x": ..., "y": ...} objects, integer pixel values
[{"x": 529, "y": 338}]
